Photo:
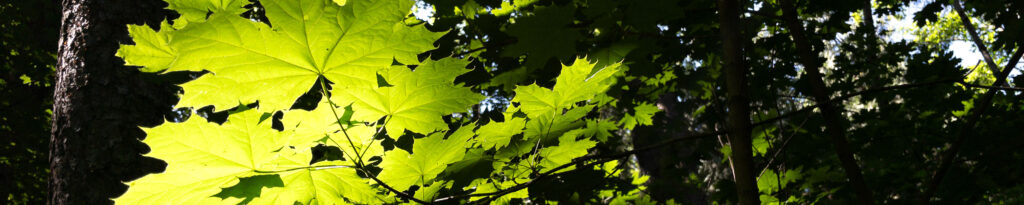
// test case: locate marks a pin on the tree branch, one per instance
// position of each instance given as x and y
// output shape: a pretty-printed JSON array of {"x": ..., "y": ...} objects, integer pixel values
[
  {"x": 990, "y": 87},
  {"x": 966, "y": 20},
  {"x": 832, "y": 114}
]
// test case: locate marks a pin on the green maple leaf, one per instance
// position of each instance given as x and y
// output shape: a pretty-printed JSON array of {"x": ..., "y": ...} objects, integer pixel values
[
  {"x": 196, "y": 10},
  {"x": 416, "y": 100},
  {"x": 331, "y": 184},
  {"x": 548, "y": 126},
  {"x": 151, "y": 49},
  {"x": 498, "y": 134},
  {"x": 202, "y": 157},
  {"x": 431, "y": 191},
  {"x": 319, "y": 126},
  {"x": 579, "y": 82},
  {"x": 642, "y": 115},
  {"x": 568, "y": 149},
  {"x": 601, "y": 129},
  {"x": 251, "y": 61},
  {"x": 431, "y": 155}
]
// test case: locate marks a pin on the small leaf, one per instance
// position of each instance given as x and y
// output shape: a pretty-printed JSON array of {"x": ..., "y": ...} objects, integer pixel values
[
  {"x": 576, "y": 83},
  {"x": 497, "y": 134},
  {"x": 430, "y": 156},
  {"x": 568, "y": 149}
]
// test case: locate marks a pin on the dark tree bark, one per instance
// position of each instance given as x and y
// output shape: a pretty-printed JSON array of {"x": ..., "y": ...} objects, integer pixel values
[
  {"x": 869, "y": 17},
  {"x": 739, "y": 103},
  {"x": 99, "y": 104},
  {"x": 832, "y": 114}
]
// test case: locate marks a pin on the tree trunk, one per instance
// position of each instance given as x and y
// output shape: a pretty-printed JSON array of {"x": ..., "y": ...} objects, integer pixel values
[
  {"x": 99, "y": 104},
  {"x": 831, "y": 113},
  {"x": 869, "y": 17},
  {"x": 738, "y": 102}
]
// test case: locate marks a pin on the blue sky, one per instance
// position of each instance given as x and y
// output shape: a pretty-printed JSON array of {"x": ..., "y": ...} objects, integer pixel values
[{"x": 964, "y": 50}]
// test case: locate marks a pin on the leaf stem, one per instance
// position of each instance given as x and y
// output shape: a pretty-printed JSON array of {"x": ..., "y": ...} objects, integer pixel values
[
  {"x": 320, "y": 167},
  {"x": 359, "y": 162},
  {"x": 323, "y": 89}
]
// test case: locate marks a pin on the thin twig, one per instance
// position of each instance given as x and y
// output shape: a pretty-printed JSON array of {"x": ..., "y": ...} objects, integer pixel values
[
  {"x": 783, "y": 147},
  {"x": 990, "y": 87}
]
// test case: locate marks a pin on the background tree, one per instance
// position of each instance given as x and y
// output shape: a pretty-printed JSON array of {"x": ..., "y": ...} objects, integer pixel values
[{"x": 26, "y": 83}]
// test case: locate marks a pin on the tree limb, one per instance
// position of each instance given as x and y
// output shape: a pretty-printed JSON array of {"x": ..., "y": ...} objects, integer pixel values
[
  {"x": 991, "y": 87},
  {"x": 971, "y": 30},
  {"x": 832, "y": 114}
]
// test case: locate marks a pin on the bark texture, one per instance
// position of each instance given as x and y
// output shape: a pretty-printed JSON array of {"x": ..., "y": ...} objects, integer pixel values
[
  {"x": 739, "y": 103},
  {"x": 99, "y": 104}
]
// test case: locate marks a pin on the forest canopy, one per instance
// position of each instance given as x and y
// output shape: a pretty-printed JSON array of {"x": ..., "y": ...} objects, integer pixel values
[{"x": 541, "y": 101}]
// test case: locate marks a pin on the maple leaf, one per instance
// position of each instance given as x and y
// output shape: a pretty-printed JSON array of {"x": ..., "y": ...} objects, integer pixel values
[
  {"x": 330, "y": 182},
  {"x": 599, "y": 129},
  {"x": 498, "y": 134},
  {"x": 319, "y": 126},
  {"x": 576, "y": 83},
  {"x": 568, "y": 149},
  {"x": 251, "y": 61},
  {"x": 151, "y": 49},
  {"x": 416, "y": 100},
  {"x": 196, "y": 10},
  {"x": 642, "y": 115},
  {"x": 429, "y": 158},
  {"x": 202, "y": 157}
]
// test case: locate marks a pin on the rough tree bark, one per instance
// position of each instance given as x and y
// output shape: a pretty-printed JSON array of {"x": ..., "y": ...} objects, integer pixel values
[
  {"x": 99, "y": 104},
  {"x": 832, "y": 114},
  {"x": 739, "y": 103}
]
